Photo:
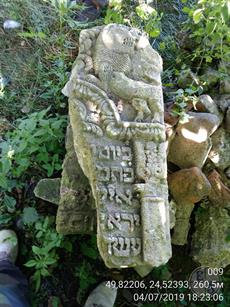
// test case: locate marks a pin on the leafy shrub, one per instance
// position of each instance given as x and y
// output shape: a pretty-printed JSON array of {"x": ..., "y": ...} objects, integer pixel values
[
  {"x": 143, "y": 16},
  {"x": 209, "y": 28},
  {"x": 46, "y": 243},
  {"x": 36, "y": 142},
  {"x": 34, "y": 148}
]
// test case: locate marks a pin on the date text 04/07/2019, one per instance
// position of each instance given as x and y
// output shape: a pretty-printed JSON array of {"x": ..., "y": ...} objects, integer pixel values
[{"x": 169, "y": 297}]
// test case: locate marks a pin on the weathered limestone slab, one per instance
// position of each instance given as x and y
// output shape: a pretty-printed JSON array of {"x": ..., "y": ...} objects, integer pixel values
[
  {"x": 116, "y": 115},
  {"x": 76, "y": 210},
  {"x": 210, "y": 243}
]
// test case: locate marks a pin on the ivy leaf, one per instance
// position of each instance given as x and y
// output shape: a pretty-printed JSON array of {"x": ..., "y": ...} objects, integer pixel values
[{"x": 29, "y": 216}]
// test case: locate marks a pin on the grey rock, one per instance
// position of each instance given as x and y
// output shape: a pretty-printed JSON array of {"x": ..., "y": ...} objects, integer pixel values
[
  {"x": 210, "y": 106},
  {"x": 210, "y": 245},
  {"x": 225, "y": 87},
  {"x": 48, "y": 190},
  {"x": 223, "y": 102},
  {"x": 219, "y": 153},
  {"x": 102, "y": 296},
  {"x": 11, "y": 24}
]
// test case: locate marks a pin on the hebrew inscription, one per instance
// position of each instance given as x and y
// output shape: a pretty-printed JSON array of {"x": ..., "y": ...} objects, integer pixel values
[{"x": 116, "y": 115}]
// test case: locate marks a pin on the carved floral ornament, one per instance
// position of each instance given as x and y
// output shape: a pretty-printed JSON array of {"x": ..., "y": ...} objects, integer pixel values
[{"x": 116, "y": 115}]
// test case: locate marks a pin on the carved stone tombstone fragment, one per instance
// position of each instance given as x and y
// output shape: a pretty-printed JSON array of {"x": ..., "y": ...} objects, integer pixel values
[{"x": 116, "y": 115}]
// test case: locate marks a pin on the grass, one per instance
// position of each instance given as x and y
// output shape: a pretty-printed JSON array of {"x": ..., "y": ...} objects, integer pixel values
[{"x": 35, "y": 58}]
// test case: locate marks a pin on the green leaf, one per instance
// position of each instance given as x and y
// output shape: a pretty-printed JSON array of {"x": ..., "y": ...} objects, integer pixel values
[
  {"x": 5, "y": 219},
  {"x": 154, "y": 32},
  {"x": 10, "y": 203},
  {"x": 197, "y": 15},
  {"x": 30, "y": 263},
  {"x": 29, "y": 216},
  {"x": 89, "y": 251},
  {"x": 208, "y": 59},
  {"x": 37, "y": 279},
  {"x": 51, "y": 261},
  {"x": 225, "y": 11},
  {"x": 36, "y": 250},
  {"x": 3, "y": 181},
  {"x": 67, "y": 245},
  {"x": 45, "y": 272}
]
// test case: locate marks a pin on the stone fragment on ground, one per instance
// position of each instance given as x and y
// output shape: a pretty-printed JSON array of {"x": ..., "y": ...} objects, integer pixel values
[
  {"x": 192, "y": 143},
  {"x": 220, "y": 152},
  {"x": 220, "y": 193},
  {"x": 187, "y": 186},
  {"x": 76, "y": 212},
  {"x": 48, "y": 190},
  {"x": 102, "y": 296},
  {"x": 211, "y": 242},
  {"x": 207, "y": 104},
  {"x": 10, "y": 24}
]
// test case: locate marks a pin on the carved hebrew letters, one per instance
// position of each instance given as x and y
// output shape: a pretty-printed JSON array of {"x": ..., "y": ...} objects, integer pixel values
[{"x": 116, "y": 113}]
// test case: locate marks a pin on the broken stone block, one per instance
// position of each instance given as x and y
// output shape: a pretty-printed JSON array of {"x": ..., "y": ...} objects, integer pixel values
[
  {"x": 76, "y": 212},
  {"x": 48, "y": 190},
  {"x": 116, "y": 114},
  {"x": 207, "y": 104},
  {"x": 192, "y": 143},
  {"x": 187, "y": 187},
  {"x": 219, "y": 153},
  {"x": 210, "y": 242},
  {"x": 220, "y": 193}
]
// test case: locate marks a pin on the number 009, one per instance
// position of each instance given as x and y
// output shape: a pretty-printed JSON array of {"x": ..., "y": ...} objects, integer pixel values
[{"x": 215, "y": 271}]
